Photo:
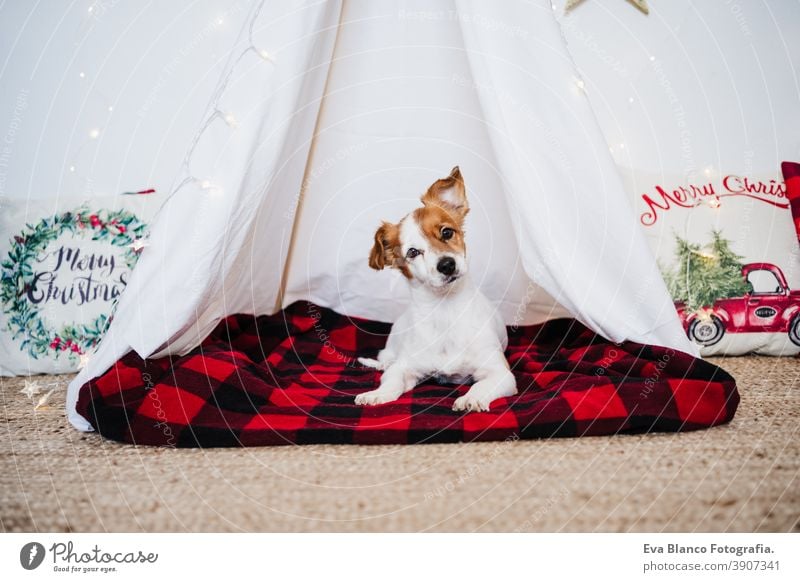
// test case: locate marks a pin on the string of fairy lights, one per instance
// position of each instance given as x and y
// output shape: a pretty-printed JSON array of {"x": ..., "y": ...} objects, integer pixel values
[
  {"x": 580, "y": 86},
  {"x": 41, "y": 392},
  {"x": 214, "y": 113}
]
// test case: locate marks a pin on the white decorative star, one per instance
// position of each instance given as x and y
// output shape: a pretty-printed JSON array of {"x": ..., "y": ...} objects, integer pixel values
[
  {"x": 32, "y": 388},
  {"x": 640, "y": 4}
]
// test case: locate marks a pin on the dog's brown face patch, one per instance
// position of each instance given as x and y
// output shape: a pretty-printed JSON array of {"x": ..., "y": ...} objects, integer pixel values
[
  {"x": 444, "y": 229},
  {"x": 387, "y": 249}
]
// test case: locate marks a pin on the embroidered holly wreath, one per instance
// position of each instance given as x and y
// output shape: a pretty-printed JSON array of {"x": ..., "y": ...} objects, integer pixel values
[{"x": 20, "y": 284}]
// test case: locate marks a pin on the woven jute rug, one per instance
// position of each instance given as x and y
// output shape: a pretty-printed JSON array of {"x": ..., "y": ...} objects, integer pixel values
[{"x": 744, "y": 476}]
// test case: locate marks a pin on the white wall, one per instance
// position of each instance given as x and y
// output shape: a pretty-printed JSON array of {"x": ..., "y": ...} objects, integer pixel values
[
  {"x": 696, "y": 85},
  {"x": 139, "y": 72},
  {"x": 722, "y": 92}
]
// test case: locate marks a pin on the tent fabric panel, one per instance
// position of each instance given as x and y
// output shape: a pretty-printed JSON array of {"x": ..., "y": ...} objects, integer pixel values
[{"x": 577, "y": 233}]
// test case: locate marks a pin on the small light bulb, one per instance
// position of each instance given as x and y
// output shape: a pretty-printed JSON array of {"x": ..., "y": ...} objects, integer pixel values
[
  {"x": 708, "y": 170},
  {"x": 72, "y": 168},
  {"x": 652, "y": 58},
  {"x": 111, "y": 108},
  {"x": 91, "y": 8},
  {"x": 209, "y": 186},
  {"x": 630, "y": 99},
  {"x": 264, "y": 54},
  {"x": 622, "y": 146},
  {"x": 220, "y": 21},
  {"x": 231, "y": 120},
  {"x": 581, "y": 85},
  {"x": 82, "y": 75},
  {"x": 94, "y": 134},
  {"x": 714, "y": 203}
]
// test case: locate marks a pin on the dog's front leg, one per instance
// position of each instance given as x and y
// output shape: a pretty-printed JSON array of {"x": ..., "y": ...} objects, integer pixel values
[
  {"x": 396, "y": 380},
  {"x": 492, "y": 383}
]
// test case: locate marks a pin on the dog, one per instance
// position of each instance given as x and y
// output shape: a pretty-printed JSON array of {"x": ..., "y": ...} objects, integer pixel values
[{"x": 450, "y": 331}]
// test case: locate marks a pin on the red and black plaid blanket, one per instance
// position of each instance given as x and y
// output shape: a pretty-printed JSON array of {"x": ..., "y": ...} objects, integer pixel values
[{"x": 291, "y": 378}]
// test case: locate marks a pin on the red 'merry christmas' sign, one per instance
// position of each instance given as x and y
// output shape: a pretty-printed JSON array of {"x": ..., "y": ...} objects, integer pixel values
[{"x": 771, "y": 192}]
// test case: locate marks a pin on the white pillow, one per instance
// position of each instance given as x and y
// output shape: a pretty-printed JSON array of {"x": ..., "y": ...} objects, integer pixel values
[
  {"x": 63, "y": 264},
  {"x": 759, "y": 309}
]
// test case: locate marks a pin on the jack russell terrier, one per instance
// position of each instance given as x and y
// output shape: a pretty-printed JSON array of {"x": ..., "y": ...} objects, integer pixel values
[{"x": 450, "y": 330}]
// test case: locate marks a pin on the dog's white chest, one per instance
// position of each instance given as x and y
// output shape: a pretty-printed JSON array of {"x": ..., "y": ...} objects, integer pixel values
[{"x": 450, "y": 338}]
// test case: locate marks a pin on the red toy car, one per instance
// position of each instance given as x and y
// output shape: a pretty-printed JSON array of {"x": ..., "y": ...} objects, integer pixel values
[{"x": 770, "y": 307}]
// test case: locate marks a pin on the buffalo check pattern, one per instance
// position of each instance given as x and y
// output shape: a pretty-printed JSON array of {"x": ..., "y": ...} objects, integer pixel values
[
  {"x": 291, "y": 378},
  {"x": 791, "y": 177}
]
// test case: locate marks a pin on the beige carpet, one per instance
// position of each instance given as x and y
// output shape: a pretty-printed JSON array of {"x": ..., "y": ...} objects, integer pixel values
[{"x": 740, "y": 477}]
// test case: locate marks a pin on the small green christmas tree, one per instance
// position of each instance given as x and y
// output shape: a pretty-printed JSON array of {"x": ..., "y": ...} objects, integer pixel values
[{"x": 703, "y": 276}]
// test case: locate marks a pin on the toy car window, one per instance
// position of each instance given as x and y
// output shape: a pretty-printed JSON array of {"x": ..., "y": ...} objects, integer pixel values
[{"x": 764, "y": 282}]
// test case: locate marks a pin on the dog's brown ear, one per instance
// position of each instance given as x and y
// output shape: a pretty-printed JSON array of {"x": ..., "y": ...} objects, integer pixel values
[
  {"x": 382, "y": 251},
  {"x": 449, "y": 193}
]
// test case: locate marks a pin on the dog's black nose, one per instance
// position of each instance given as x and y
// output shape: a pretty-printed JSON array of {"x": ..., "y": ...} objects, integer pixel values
[{"x": 446, "y": 266}]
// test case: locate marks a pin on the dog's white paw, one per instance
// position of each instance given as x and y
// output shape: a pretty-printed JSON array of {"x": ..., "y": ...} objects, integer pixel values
[
  {"x": 374, "y": 397},
  {"x": 471, "y": 404},
  {"x": 370, "y": 363}
]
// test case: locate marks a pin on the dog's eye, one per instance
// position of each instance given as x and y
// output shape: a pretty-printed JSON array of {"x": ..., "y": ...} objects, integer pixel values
[
  {"x": 447, "y": 233},
  {"x": 412, "y": 252}
]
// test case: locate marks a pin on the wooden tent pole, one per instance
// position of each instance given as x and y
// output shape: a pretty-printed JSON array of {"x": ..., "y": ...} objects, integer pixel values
[{"x": 309, "y": 165}]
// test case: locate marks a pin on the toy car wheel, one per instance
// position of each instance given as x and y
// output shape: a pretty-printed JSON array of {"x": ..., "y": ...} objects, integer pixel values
[
  {"x": 794, "y": 331},
  {"x": 706, "y": 332}
]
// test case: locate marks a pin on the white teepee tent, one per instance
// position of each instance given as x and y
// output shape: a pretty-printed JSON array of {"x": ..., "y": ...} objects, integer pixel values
[{"x": 363, "y": 105}]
